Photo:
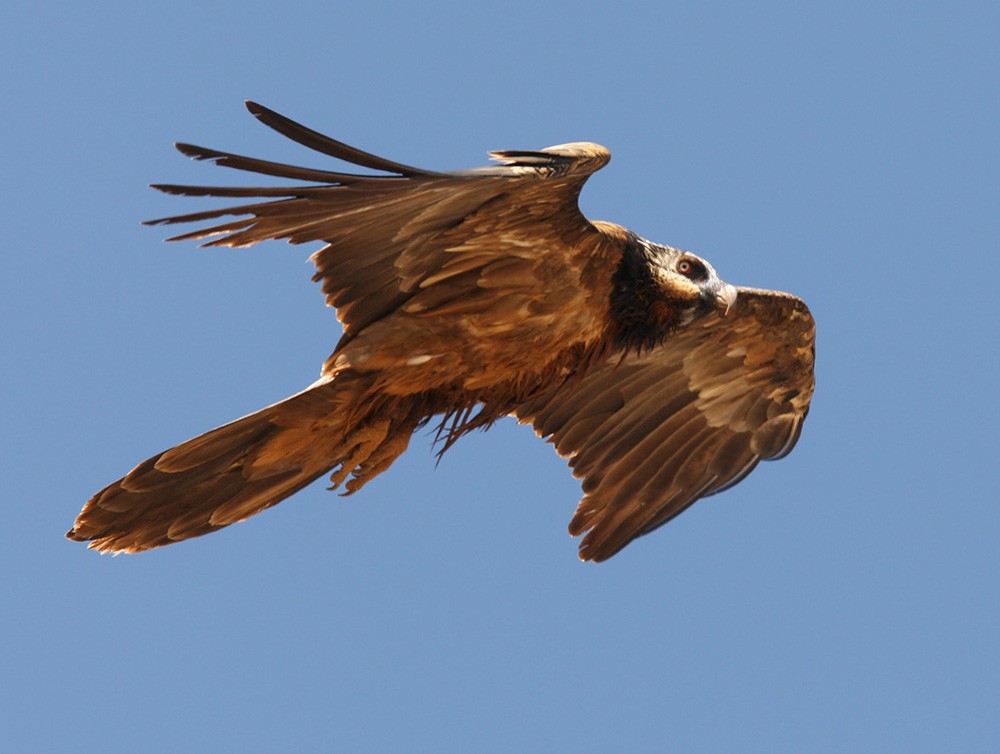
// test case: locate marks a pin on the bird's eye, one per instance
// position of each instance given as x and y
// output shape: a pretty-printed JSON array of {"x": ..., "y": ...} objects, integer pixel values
[{"x": 690, "y": 268}]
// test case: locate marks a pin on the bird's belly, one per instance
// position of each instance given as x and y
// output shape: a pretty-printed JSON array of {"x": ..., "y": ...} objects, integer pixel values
[{"x": 419, "y": 354}]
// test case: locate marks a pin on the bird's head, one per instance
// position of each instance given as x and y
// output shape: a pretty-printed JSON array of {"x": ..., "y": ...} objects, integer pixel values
[
  {"x": 658, "y": 289},
  {"x": 690, "y": 284}
]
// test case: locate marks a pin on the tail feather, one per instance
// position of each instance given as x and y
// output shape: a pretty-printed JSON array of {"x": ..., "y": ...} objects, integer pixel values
[{"x": 239, "y": 469}]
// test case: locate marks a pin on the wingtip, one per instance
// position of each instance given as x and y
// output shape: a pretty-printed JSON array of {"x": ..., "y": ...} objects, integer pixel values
[
  {"x": 169, "y": 188},
  {"x": 199, "y": 153}
]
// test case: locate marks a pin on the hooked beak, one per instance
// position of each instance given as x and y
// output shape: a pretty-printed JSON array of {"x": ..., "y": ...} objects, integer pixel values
[{"x": 725, "y": 297}]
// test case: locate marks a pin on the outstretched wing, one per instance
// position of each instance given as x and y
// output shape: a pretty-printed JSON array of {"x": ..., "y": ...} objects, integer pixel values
[
  {"x": 653, "y": 432},
  {"x": 415, "y": 238}
]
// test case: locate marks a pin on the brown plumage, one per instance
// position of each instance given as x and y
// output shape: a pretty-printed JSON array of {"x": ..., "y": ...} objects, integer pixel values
[{"x": 467, "y": 296}]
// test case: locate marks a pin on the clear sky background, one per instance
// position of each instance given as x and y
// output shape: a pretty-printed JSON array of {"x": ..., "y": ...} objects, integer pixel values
[{"x": 844, "y": 599}]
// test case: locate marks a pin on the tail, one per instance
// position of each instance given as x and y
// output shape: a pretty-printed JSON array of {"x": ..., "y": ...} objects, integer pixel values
[{"x": 239, "y": 469}]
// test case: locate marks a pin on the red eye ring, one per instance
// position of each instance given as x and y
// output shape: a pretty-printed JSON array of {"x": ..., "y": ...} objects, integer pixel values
[{"x": 684, "y": 267}]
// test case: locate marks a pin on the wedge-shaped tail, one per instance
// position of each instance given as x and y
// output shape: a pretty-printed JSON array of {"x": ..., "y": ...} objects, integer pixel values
[{"x": 239, "y": 469}]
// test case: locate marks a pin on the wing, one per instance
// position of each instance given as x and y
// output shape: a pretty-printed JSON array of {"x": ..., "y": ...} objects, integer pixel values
[
  {"x": 651, "y": 433},
  {"x": 415, "y": 238}
]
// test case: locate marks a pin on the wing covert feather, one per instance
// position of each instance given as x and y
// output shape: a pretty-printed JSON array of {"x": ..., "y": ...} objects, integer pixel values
[{"x": 653, "y": 432}]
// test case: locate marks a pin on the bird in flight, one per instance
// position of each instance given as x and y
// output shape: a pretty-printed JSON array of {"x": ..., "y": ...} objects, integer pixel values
[{"x": 465, "y": 297}]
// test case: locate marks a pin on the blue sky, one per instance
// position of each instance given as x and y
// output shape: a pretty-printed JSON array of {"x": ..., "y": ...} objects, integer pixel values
[{"x": 842, "y": 599}]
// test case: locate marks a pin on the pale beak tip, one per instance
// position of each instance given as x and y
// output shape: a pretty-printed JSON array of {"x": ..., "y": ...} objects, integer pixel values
[{"x": 725, "y": 299}]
